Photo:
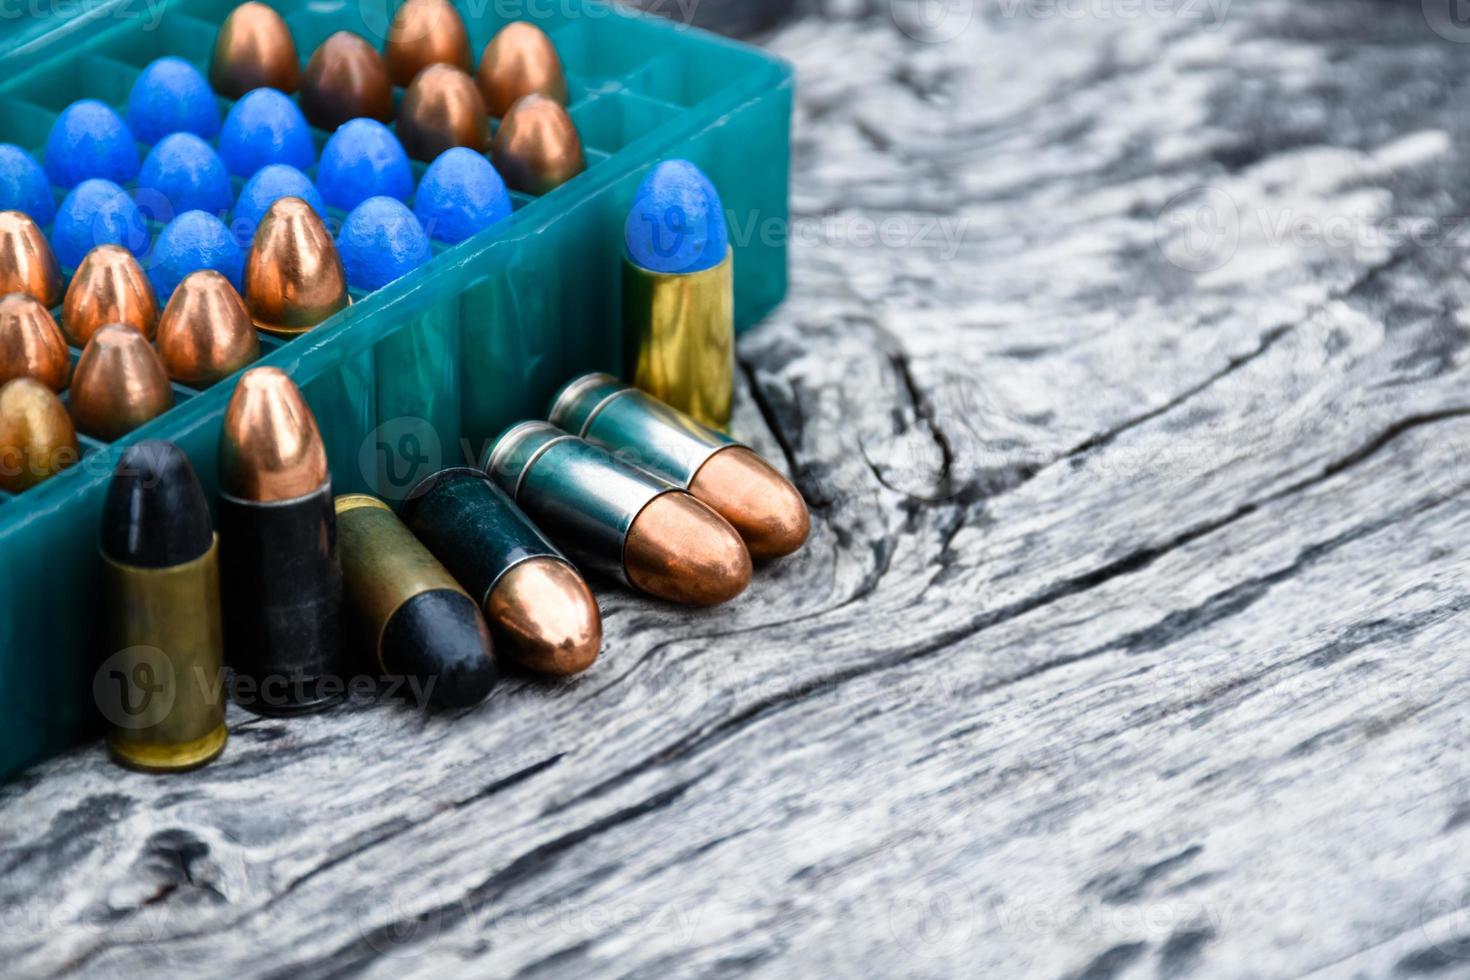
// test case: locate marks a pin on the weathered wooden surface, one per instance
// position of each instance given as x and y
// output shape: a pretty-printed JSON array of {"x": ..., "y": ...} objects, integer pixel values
[{"x": 1132, "y": 640}]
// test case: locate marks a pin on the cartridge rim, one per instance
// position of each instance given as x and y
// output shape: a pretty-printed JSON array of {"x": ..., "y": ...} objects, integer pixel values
[
  {"x": 510, "y": 439},
  {"x": 566, "y": 399}
]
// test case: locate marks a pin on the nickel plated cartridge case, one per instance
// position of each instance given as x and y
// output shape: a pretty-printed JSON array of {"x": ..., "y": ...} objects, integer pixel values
[
  {"x": 736, "y": 482},
  {"x": 618, "y": 520}
]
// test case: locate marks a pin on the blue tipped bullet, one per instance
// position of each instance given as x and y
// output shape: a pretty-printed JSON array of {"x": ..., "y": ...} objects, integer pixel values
[
  {"x": 23, "y": 185},
  {"x": 171, "y": 97},
  {"x": 381, "y": 240},
  {"x": 265, "y": 127},
  {"x": 677, "y": 223},
  {"x": 461, "y": 194},
  {"x": 191, "y": 242},
  {"x": 90, "y": 140},
  {"x": 266, "y": 188},
  {"x": 97, "y": 212},
  {"x": 679, "y": 294},
  {"x": 187, "y": 175},
  {"x": 363, "y": 159}
]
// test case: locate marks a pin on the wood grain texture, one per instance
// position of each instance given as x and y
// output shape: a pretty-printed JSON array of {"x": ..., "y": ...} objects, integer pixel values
[{"x": 1125, "y": 372}]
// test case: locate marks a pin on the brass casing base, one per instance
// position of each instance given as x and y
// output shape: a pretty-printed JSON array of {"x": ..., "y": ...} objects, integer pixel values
[
  {"x": 153, "y": 757},
  {"x": 170, "y": 616},
  {"x": 679, "y": 338}
]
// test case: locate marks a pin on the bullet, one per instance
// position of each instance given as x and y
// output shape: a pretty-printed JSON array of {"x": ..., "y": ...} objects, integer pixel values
[
  {"x": 345, "y": 79},
  {"x": 541, "y": 612},
  {"x": 89, "y": 140},
  {"x": 26, "y": 263},
  {"x": 24, "y": 186},
  {"x": 254, "y": 50},
  {"x": 263, "y": 128},
  {"x": 460, "y": 195},
  {"x": 267, "y": 187},
  {"x": 97, "y": 212},
  {"x": 109, "y": 287},
  {"x": 731, "y": 479},
  {"x": 679, "y": 294},
  {"x": 381, "y": 241},
  {"x": 282, "y": 586},
  {"x": 31, "y": 345},
  {"x": 183, "y": 173},
  {"x": 171, "y": 97},
  {"x": 205, "y": 333},
  {"x": 161, "y": 691},
  {"x": 293, "y": 276},
  {"x": 408, "y": 609},
  {"x": 37, "y": 439},
  {"x": 424, "y": 33},
  {"x": 518, "y": 61},
  {"x": 537, "y": 147},
  {"x": 440, "y": 110},
  {"x": 363, "y": 159},
  {"x": 620, "y": 521},
  {"x": 191, "y": 242},
  {"x": 120, "y": 384}
]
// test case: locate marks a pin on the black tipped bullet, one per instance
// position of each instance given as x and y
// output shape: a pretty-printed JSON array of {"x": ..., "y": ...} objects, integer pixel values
[
  {"x": 408, "y": 609},
  {"x": 161, "y": 691}
]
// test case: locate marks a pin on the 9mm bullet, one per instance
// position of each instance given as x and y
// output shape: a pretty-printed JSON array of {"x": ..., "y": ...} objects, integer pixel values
[
  {"x": 737, "y": 483},
  {"x": 405, "y": 607},
  {"x": 278, "y": 550},
  {"x": 161, "y": 693},
  {"x": 540, "y": 610},
  {"x": 618, "y": 520}
]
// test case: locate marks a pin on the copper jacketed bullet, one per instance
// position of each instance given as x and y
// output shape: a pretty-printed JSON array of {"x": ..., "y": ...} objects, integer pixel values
[
  {"x": 442, "y": 109},
  {"x": 31, "y": 345},
  {"x": 120, "y": 383},
  {"x": 37, "y": 438},
  {"x": 162, "y": 691},
  {"x": 424, "y": 33},
  {"x": 109, "y": 287},
  {"x": 738, "y": 484},
  {"x": 345, "y": 79},
  {"x": 26, "y": 262},
  {"x": 407, "y": 609},
  {"x": 282, "y": 585},
  {"x": 205, "y": 333},
  {"x": 518, "y": 61},
  {"x": 618, "y": 520},
  {"x": 537, "y": 148},
  {"x": 254, "y": 50},
  {"x": 540, "y": 610},
  {"x": 293, "y": 276}
]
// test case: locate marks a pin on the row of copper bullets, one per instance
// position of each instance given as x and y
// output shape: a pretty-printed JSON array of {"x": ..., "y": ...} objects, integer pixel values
[
  {"x": 447, "y": 102},
  {"x": 480, "y": 569},
  {"x": 131, "y": 354}
]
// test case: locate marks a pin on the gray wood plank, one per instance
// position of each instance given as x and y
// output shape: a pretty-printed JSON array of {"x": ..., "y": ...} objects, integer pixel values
[{"x": 1131, "y": 639}]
